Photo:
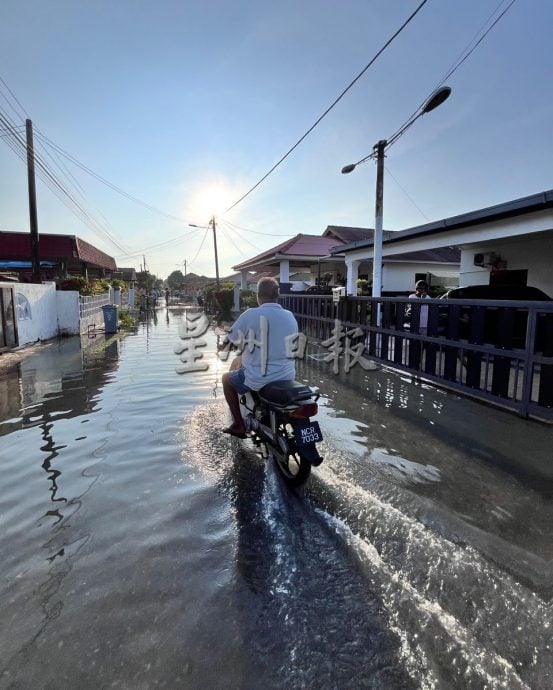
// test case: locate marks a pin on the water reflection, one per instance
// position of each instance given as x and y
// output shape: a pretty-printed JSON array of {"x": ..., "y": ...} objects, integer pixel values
[
  {"x": 61, "y": 381},
  {"x": 68, "y": 373}
]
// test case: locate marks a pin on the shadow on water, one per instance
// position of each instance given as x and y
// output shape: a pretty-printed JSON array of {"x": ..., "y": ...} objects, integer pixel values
[{"x": 305, "y": 609}]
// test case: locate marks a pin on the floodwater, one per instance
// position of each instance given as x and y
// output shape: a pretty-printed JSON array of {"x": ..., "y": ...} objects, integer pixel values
[{"x": 142, "y": 548}]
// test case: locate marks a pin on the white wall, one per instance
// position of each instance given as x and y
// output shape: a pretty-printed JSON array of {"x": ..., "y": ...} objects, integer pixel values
[
  {"x": 41, "y": 322},
  {"x": 533, "y": 254},
  {"x": 48, "y": 313},
  {"x": 68, "y": 312},
  {"x": 400, "y": 277}
]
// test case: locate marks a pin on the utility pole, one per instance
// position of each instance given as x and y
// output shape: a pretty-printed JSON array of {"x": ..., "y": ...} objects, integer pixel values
[
  {"x": 185, "y": 268},
  {"x": 212, "y": 221},
  {"x": 35, "y": 253},
  {"x": 378, "y": 216}
]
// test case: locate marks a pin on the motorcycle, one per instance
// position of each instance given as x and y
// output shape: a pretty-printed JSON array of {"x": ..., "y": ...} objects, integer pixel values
[{"x": 278, "y": 420}]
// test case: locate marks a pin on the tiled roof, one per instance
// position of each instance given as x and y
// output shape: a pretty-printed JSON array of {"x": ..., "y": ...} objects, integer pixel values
[
  {"x": 347, "y": 234},
  {"x": 89, "y": 253},
  {"x": 308, "y": 246},
  {"x": 439, "y": 255},
  {"x": 128, "y": 274},
  {"x": 17, "y": 245}
]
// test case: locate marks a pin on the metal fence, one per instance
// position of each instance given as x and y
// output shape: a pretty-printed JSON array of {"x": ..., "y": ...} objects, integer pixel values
[
  {"x": 500, "y": 351},
  {"x": 91, "y": 305}
]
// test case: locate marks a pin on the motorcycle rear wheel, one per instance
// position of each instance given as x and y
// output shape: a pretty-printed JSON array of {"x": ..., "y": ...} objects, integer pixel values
[{"x": 295, "y": 468}]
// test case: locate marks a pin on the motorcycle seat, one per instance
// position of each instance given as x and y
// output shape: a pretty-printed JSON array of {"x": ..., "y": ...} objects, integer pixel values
[{"x": 284, "y": 392}]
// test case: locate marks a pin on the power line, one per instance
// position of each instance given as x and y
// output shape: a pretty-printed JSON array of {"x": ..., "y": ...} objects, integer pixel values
[
  {"x": 109, "y": 184},
  {"x": 160, "y": 245},
  {"x": 331, "y": 106},
  {"x": 388, "y": 172},
  {"x": 200, "y": 247},
  {"x": 244, "y": 239},
  {"x": 464, "y": 55},
  {"x": 18, "y": 145},
  {"x": 25, "y": 114},
  {"x": 230, "y": 239},
  {"x": 256, "y": 232}
]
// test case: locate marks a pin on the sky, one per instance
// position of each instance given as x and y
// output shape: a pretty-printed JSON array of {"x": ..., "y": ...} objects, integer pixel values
[{"x": 184, "y": 105}]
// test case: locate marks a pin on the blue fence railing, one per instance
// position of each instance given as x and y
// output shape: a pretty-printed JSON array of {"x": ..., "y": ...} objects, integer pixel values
[{"x": 499, "y": 351}]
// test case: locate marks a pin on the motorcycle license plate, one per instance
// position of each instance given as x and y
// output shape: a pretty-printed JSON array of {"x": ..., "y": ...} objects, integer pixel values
[{"x": 307, "y": 432}]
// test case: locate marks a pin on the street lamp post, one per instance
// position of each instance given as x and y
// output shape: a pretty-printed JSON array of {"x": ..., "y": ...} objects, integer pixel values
[
  {"x": 211, "y": 224},
  {"x": 436, "y": 99}
]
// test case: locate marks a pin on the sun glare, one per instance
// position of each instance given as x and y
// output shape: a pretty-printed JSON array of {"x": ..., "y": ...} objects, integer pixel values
[{"x": 211, "y": 200}]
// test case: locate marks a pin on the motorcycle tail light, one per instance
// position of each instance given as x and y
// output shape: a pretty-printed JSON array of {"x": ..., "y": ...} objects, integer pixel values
[{"x": 305, "y": 411}]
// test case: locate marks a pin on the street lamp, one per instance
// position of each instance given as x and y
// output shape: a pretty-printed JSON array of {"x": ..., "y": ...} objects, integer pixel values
[
  {"x": 436, "y": 99},
  {"x": 211, "y": 224}
]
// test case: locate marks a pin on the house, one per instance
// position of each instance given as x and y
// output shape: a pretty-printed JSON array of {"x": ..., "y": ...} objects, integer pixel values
[
  {"x": 236, "y": 278},
  {"x": 320, "y": 256},
  {"x": 60, "y": 257},
  {"x": 509, "y": 243},
  {"x": 128, "y": 276},
  {"x": 298, "y": 253}
]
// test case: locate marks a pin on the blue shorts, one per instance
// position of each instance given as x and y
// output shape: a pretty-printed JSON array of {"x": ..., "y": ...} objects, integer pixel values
[{"x": 237, "y": 378}]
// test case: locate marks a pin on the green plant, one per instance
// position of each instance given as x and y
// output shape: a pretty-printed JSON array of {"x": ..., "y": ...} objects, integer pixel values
[
  {"x": 363, "y": 287},
  {"x": 224, "y": 299},
  {"x": 437, "y": 291},
  {"x": 126, "y": 320},
  {"x": 209, "y": 292},
  {"x": 118, "y": 283},
  {"x": 77, "y": 283},
  {"x": 99, "y": 287},
  {"x": 248, "y": 298}
]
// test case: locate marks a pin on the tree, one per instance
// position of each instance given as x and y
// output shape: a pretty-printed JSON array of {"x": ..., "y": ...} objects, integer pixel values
[
  {"x": 146, "y": 280},
  {"x": 175, "y": 280}
]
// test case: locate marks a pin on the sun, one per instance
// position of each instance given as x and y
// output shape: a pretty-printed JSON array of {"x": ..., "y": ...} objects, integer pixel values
[{"x": 211, "y": 200}]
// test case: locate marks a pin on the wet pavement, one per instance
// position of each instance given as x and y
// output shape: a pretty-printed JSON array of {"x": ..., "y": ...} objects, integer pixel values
[{"x": 143, "y": 548}]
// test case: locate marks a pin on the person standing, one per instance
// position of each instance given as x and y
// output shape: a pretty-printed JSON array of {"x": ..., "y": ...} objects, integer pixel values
[{"x": 421, "y": 292}]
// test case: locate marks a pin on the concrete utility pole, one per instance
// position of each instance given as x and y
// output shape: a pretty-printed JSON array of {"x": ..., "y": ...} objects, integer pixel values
[
  {"x": 206, "y": 227},
  {"x": 35, "y": 253},
  {"x": 212, "y": 221},
  {"x": 378, "y": 218}
]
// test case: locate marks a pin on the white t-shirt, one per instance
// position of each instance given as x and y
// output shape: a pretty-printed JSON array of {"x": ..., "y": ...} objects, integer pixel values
[
  {"x": 423, "y": 320},
  {"x": 261, "y": 333}
]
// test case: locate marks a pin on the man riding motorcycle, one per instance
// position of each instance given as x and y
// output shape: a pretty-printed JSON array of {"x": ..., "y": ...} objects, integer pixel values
[{"x": 263, "y": 334}]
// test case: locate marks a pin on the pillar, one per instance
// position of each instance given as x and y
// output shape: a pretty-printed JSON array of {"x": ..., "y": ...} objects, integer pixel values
[
  {"x": 352, "y": 273},
  {"x": 284, "y": 271}
]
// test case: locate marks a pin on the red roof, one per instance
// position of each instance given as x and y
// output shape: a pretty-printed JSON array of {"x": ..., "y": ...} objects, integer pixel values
[
  {"x": 308, "y": 246},
  {"x": 17, "y": 245}
]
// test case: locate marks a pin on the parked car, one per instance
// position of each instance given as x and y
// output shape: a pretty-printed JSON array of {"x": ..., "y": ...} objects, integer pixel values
[
  {"x": 495, "y": 328},
  {"x": 319, "y": 290},
  {"x": 507, "y": 292}
]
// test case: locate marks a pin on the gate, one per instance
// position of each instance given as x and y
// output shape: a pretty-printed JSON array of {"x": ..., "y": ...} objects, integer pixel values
[{"x": 8, "y": 324}]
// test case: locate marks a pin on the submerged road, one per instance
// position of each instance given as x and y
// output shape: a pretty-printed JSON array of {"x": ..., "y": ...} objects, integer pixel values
[{"x": 142, "y": 548}]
